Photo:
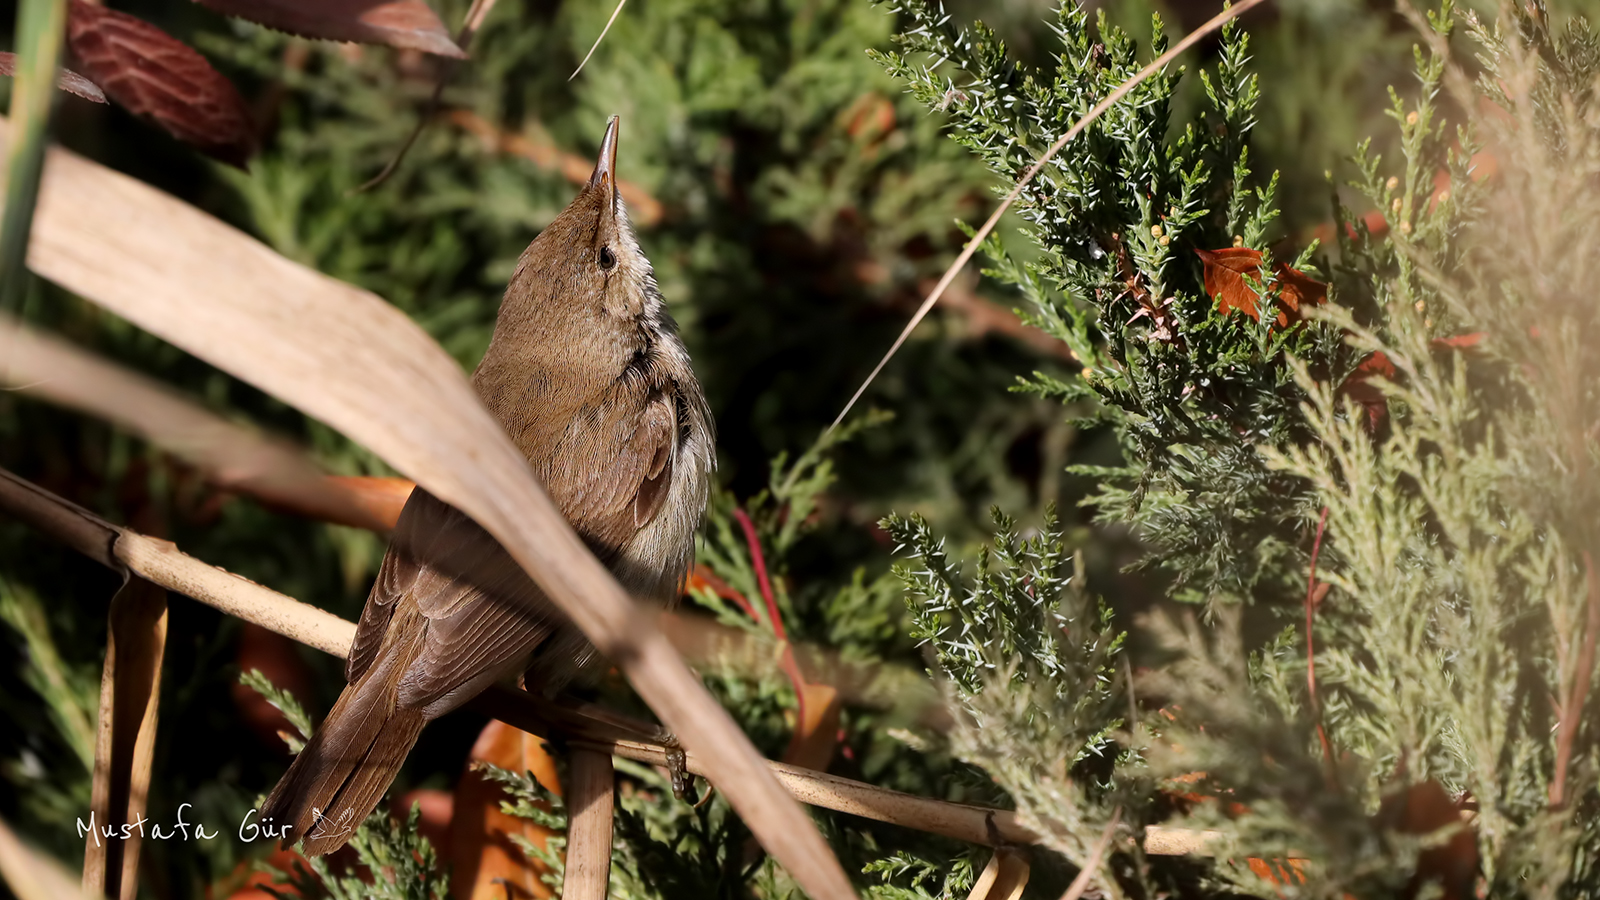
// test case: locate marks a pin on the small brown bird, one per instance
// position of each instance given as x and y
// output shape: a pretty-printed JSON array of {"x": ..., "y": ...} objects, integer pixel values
[{"x": 586, "y": 373}]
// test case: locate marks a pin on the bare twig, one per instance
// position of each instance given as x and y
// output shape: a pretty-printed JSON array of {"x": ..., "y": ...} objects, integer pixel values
[
  {"x": 162, "y": 563},
  {"x": 603, "y": 32},
  {"x": 1121, "y": 91},
  {"x": 1313, "y": 598},
  {"x": 469, "y": 27},
  {"x": 1092, "y": 864},
  {"x": 589, "y": 801},
  {"x": 1578, "y": 691}
]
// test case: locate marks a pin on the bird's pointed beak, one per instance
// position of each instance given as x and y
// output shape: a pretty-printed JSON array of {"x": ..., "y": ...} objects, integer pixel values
[{"x": 605, "y": 170}]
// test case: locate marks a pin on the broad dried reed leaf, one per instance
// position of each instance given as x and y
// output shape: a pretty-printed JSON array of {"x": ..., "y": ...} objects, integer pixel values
[
  {"x": 130, "y": 689},
  {"x": 32, "y": 875},
  {"x": 485, "y": 860},
  {"x": 411, "y": 24},
  {"x": 67, "y": 80},
  {"x": 232, "y": 456},
  {"x": 156, "y": 75},
  {"x": 589, "y": 825},
  {"x": 346, "y": 357}
]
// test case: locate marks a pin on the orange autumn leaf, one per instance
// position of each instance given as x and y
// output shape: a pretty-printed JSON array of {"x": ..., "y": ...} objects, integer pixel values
[
  {"x": 1229, "y": 271},
  {"x": 1424, "y": 809},
  {"x": 1225, "y": 274},
  {"x": 486, "y": 862},
  {"x": 1357, "y": 388},
  {"x": 1458, "y": 342},
  {"x": 816, "y": 735}
]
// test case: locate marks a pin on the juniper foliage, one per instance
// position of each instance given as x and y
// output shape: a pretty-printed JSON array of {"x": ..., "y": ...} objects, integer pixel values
[{"x": 1190, "y": 391}]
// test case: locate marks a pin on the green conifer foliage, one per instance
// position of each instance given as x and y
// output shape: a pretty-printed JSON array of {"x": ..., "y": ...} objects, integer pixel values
[{"x": 1192, "y": 392}]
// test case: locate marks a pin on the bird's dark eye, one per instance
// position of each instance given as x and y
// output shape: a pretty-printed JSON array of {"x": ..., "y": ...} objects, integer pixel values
[{"x": 607, "y": 258}]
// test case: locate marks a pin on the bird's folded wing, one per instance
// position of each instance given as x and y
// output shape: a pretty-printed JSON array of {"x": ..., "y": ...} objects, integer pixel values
[
  {"x": 610, "y": 474},
  {"x": 481, "y": 613}
]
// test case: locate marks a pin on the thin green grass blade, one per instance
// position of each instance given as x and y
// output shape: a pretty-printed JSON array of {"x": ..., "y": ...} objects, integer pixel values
[{"x": 40, "y": 28}]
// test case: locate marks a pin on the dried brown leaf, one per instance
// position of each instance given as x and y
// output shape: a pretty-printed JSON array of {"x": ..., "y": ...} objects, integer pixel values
[
  {"x": 485, "y": 861},
  {"x": 231, "y": 455},
  {"x": 410, "y": 24},
  {"x": 1229, "y": 272},
  {"x": 130, "y": 687},
  {"x": 67, "y": 80},
  {"x": 156, "y": 75},
  {"x": 32, "y": 875}
]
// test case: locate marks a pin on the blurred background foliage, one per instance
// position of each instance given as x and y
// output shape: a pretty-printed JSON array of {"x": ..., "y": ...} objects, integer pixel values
[{"x": 796, "y": 204}]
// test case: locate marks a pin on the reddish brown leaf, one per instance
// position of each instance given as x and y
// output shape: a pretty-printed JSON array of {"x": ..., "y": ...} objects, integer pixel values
[
  {"x": 1297, "y": 289},
  {"x": 154, "y": 74},
  {"x": 1226, "y": 274},
  {"x": 278, "y": 658},
  {"x": 1357, "y": 388},
  {"x": 488, "y": 865},
  {"x": 1458, "y": 342},
  {"x": 399, "y": 23},
  {"x": 816, "y": 735},
  {"x": 1426, "y": 808},
  {"x": 382, "y": 497},
  {"x": 68, "y": 80}
]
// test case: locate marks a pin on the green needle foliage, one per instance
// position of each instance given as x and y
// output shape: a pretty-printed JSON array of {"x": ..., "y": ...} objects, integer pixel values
[{"x": 1190, "y": 391}]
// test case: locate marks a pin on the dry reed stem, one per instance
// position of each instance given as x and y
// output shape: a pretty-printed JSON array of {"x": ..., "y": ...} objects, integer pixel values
[
  {"x": 644, "y": 209},
  {"x": 125, "y": 741},
  {"x": 603, "y": 32},
  {"x": 1121, "y": 91},
  {"x": 589, "y": 797},
  {"x": 1003, "y": 878},
  {"x": 344, "y": 356},
  {"x": 162, "y": 563},
  {"x": 233, "y": 456}
]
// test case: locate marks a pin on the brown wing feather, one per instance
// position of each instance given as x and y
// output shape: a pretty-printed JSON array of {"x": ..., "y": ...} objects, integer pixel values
[
  {"x": 480, "y": 614},
  {"x": 607, "y": 504}
]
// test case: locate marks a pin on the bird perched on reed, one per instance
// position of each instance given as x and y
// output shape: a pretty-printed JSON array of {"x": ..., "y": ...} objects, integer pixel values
[{"x": 587, "y": 374}]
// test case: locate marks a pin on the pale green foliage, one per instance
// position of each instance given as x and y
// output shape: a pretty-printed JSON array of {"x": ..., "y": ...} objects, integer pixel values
[
  {"x": 1458, "y": 635},
  {"x": 1030, "y": 663}
]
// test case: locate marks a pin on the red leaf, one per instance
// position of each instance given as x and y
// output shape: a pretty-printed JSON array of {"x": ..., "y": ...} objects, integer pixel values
[
  {"x": 154, "y": 74},
  {"x": 1225, "y": 274},
  {"x": 1226, "y": 271},
  {"x": 1458, "y": 342},
  {"x": 1426, "y": 808},
  {"x": 67, "y": 80},
  {"x": 486, "y": 862},
  {"x": 399, "y": 23},
  {"x": 1297, "y": 289},
  {"x": 1372, "y": 399}
]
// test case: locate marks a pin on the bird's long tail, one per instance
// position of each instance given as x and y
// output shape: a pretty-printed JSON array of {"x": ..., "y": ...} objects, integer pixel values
[{"x": 340, "y": 776}]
